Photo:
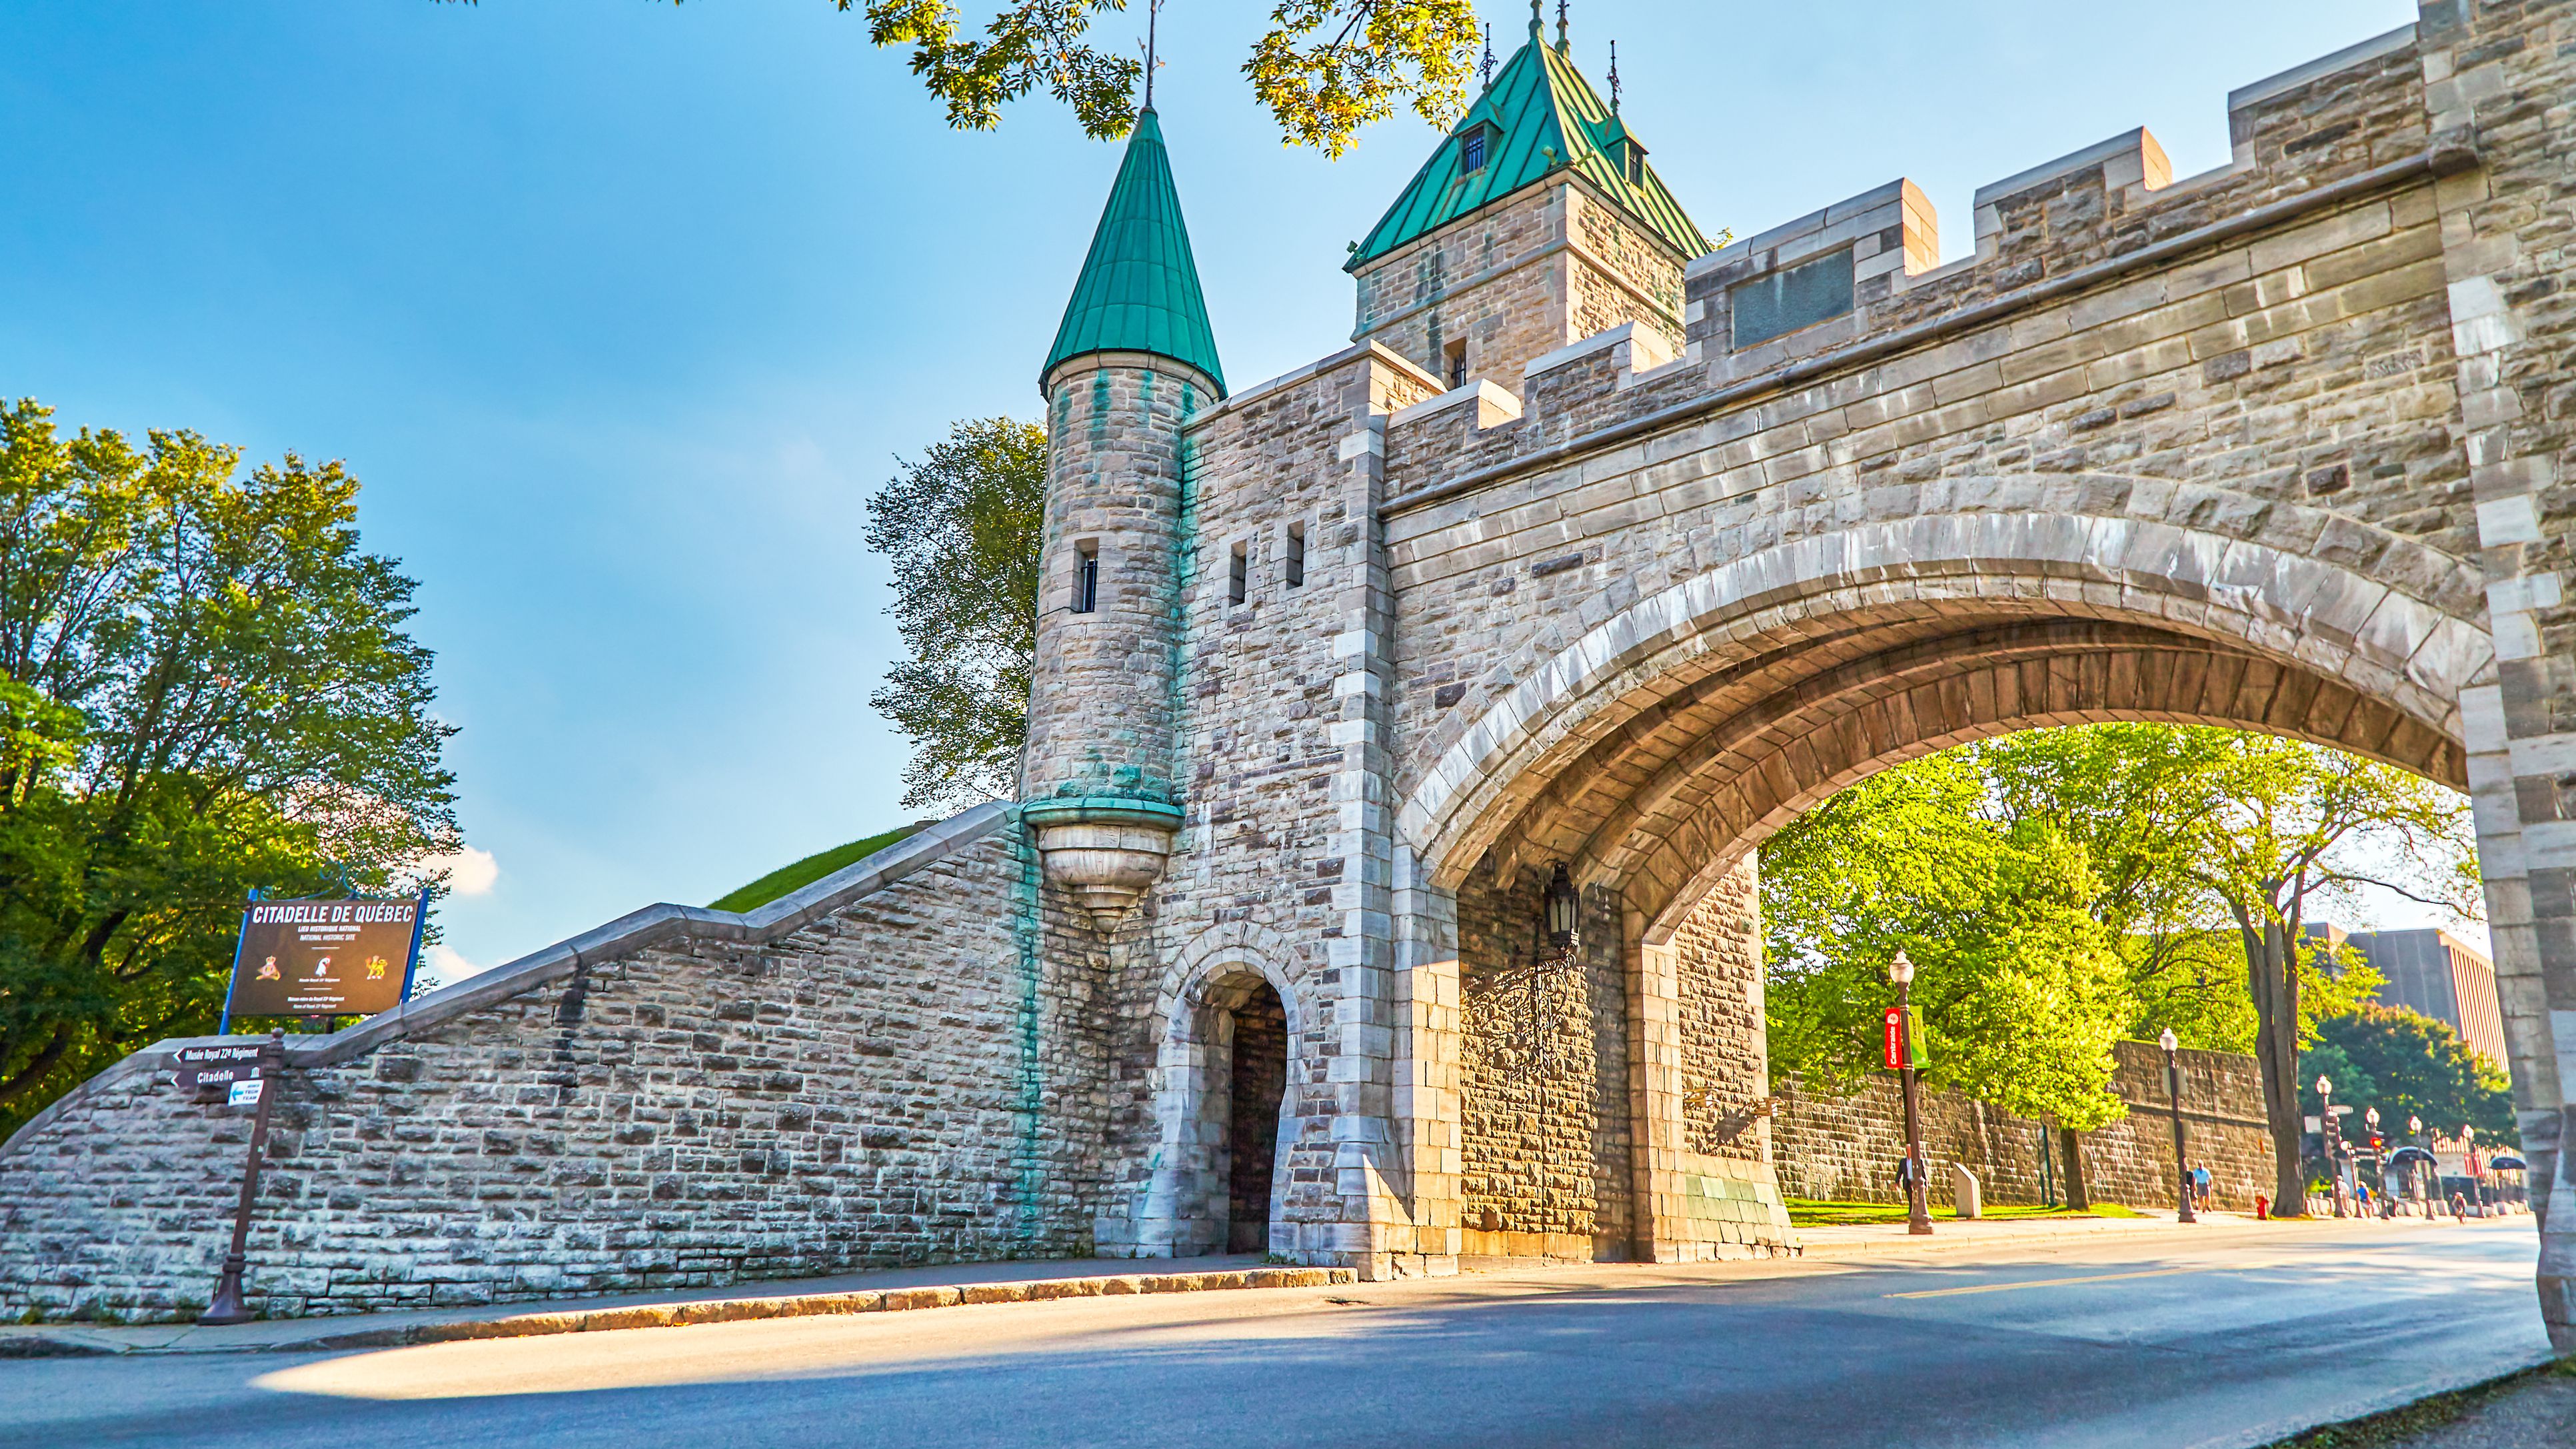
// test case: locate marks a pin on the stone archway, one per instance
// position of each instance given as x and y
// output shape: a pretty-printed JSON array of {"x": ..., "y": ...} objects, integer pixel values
[
  {"x": 1655, "y": 753},
  {"x": 1680, "y": 690}
]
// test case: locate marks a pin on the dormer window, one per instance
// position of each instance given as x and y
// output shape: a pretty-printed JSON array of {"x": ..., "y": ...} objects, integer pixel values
[
  {"x": 1632, "y": 159},
  {"x": 1471, "y": 150}
]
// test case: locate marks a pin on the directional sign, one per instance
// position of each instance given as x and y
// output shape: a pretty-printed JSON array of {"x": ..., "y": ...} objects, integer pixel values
[
  {"x": 244, "y": 1094},
  {"x": 203, "y": 1055},
  {"x": 195, "y": 1079}
]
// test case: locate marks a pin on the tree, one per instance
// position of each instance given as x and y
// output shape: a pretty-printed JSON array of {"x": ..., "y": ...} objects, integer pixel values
[
  {"x": 1324, "y": 68},
  {"x": 961, "y": 528},
  {"x": 2409, "y": 1065},
  {"x": 2019, "y": 987},
  {"x": 205, "y": 688},
  {"x": 2195, "y": 827}
]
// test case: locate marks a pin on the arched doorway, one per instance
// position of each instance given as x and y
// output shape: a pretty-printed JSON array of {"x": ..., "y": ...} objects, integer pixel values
[{"x": 1256, "y": 1084}]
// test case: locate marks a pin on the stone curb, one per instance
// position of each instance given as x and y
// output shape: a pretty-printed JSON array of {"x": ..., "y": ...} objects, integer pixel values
[{"x": 722, "y": 1310}]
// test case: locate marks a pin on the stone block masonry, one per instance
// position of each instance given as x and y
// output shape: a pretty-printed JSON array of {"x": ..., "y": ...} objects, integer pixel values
[
  {"x": 1846, "y": 1148},
  {"x": 891, "y": 1072}
]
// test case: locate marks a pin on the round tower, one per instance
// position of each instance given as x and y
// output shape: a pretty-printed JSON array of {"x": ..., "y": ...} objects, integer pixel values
[{"x": 1132, "y": 361}]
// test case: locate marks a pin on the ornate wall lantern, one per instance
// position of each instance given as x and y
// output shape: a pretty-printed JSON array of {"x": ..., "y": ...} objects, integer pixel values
[{"x": 1564, "y": 909}]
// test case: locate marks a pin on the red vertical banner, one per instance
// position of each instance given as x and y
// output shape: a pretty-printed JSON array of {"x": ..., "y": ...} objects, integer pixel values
[{"x": 1894, "y": 1021}]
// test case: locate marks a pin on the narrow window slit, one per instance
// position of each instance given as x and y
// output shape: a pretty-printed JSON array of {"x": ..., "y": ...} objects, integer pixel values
[{"x": 1086, "y": 577}]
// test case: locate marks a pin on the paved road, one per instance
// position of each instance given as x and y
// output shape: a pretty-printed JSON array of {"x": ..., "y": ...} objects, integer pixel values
[{"x": 2229, "y": 1340}]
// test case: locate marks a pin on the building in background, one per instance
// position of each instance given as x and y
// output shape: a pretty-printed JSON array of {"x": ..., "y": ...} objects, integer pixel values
[{"x": 2436, "y": 973}]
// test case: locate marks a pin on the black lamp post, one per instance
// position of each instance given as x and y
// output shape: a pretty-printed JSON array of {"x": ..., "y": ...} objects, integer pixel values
[
  {"x": 2415, "y": 1167},
  {"x": 2370, "y": 1120},
  {"x": 1918, "y": 1212},
  {"x": 2173, "y": 1096},
  {"x": 2330, "y": 1139}
]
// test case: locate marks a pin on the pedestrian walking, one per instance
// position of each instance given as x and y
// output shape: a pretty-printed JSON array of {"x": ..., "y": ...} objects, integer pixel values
[{"x": 2200, "y": 1185}]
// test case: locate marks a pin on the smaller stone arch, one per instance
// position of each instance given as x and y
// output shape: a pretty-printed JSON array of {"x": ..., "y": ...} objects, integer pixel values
[{"x": 1185, "y": 1207}]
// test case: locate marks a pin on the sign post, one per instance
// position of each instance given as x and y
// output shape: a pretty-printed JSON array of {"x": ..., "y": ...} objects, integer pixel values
[{"x": 260, "y": 1087}]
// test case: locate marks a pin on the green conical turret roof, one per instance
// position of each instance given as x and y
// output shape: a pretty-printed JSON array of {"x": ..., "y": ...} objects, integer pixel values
[
  {"x": 1139, "y": 290},
  {"x": 1538, "y": 116}
]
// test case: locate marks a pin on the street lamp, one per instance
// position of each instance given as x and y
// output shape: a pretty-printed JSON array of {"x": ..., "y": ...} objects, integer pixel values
[
  {"x": 1918, "y": 1213},
  {"x": 2329, "y": 1139},
  {"x": 2415, "y": 1169},
  {"x": 2370, "y": 1119},
  {"x": 2173, "y": 1096},
  {"x": 2469, "y": 1165}
]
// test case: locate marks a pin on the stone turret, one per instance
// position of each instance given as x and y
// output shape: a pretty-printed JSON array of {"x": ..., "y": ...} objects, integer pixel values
[
  {"x": 1133, "y": 360},
  {"x": 1536, "y": 223}
]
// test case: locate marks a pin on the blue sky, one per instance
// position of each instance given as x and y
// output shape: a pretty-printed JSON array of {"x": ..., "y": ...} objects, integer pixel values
[{"x": 620, "y": 310}]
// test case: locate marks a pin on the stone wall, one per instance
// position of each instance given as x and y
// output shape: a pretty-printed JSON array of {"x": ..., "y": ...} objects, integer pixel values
[
  {"x": 1847, "y": 1148},
  {"x": 903, "y": 1066},
  {"x": 1543, "y": 1080}
]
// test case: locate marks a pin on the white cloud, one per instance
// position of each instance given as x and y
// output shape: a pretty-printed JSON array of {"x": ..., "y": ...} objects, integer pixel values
[
  {"x": 470, "y": 872},
  {"x": 449, "y": 966}
]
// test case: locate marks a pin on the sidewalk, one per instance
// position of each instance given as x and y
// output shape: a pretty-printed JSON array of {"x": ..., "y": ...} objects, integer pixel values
[{"x": 888, "y": 1290}]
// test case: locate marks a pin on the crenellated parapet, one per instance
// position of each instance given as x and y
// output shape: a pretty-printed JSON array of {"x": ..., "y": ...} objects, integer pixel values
[{"x": 1855, "y": 286}]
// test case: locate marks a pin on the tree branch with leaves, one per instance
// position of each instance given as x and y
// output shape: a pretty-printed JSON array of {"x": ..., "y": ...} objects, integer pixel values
[
  {"x": 1325, "y": 69},
  {"x": 960, "y": 528}
]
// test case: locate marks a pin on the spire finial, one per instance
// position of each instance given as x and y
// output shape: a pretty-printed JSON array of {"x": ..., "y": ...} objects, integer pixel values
[
  {"x": 1153, "y": 11},
  {"x": 1563, "y": 45},
  {"x": 1536, "y": 23},
  {"x": 1614, "y": 77},
  {"x": 1485, "y": 67}
]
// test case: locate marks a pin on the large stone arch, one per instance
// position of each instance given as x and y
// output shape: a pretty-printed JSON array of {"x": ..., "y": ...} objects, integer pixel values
[
  {"x": 1653, "y": 753},
  {"x": 1682, "y": 727}
]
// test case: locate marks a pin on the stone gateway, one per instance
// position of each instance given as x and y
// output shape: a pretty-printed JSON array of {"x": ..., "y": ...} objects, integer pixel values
[{"x": 1599, "y": 554}]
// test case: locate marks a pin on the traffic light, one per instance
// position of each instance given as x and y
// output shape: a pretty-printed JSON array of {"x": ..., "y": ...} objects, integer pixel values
[{"x": 2377, "y": 1142}]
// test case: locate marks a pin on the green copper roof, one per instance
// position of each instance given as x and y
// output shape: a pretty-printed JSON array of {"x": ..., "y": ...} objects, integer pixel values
[
  {"x": 1541, "y": 116},
  {"x": 1139, "y": 290}
]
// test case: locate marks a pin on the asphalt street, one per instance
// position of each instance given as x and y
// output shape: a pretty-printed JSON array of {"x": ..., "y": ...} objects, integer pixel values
[{"x": 2233, "y": 1339}]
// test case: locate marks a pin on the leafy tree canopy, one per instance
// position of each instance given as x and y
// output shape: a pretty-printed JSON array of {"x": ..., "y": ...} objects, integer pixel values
[
  {"x": 2408, "y": 1065},
  {"x": 961, "y": 528},
  {"x": 2061, "y": 887},
  {"x": 205, "y": 688},
  {"x": 2018, "y": 985}
]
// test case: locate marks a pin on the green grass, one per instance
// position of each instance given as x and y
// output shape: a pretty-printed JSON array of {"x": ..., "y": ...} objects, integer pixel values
[
  {"x": 1807, "y": 1212},
  {"x": 809, "y": 870}
]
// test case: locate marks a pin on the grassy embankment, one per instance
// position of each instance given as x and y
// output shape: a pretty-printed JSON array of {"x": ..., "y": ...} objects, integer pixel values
[{"x": 809, "y": 870}]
